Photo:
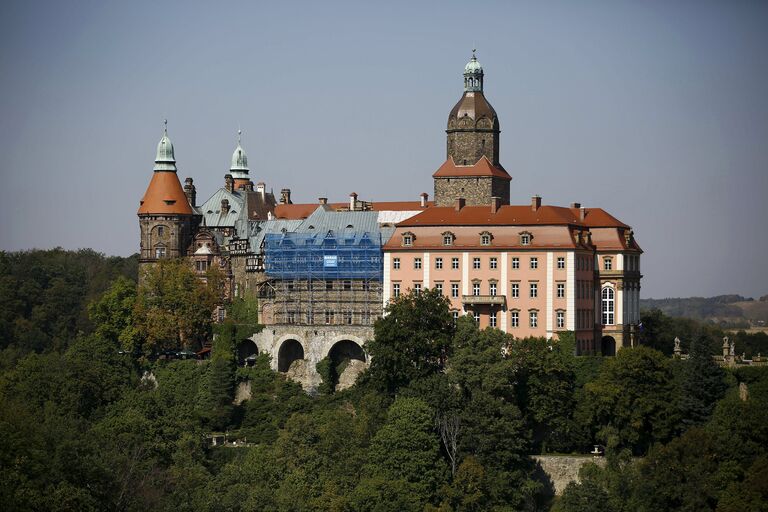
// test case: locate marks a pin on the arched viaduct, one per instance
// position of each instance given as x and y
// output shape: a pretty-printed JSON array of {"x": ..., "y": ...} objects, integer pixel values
[{"x": 296, "y": 349}]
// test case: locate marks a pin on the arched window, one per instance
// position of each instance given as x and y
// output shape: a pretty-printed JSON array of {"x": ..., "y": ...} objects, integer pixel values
[{"x": 608, "y": 306}]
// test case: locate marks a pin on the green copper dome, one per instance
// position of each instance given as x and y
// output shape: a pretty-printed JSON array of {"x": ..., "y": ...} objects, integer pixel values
[
  {"x": 473, "y": 75},
  {"x": 239, "y": 166},
  {"x": 165, "y": 159}
]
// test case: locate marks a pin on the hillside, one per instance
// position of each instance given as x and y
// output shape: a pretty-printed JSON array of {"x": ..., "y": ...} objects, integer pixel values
[{"x": 726, "y": 310}]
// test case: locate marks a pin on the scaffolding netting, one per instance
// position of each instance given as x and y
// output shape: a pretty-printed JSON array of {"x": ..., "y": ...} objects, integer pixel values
[{"x": 315, "y": 256}]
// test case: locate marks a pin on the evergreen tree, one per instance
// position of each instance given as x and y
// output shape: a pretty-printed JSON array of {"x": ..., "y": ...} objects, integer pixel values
[{"x": 702, "y": 385}]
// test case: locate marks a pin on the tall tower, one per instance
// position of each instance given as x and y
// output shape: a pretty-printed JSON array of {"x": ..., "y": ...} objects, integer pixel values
[
  {"x": 472, "y": 170},
  {"x": 166, "y": 218}
]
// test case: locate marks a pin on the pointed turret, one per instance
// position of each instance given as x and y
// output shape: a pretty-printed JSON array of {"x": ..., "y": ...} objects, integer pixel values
[
  {"x": 166, "y": 217},
  {"x": 239, "y": 169}
]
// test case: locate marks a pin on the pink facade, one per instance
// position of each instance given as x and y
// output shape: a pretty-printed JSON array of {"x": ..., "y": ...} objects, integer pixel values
[{"x": 530, "y": 279}]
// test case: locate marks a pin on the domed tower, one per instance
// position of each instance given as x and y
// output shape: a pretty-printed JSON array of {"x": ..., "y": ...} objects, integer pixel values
[
  {"x": 166, "y": 218},
  {"x": 472, "y": 170},
  {"x": 239, "y": 169}
]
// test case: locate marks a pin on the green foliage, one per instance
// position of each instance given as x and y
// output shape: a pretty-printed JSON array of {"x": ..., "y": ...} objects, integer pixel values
[
  {"x": 632, "y": 402},
  {"x": 412, "y": 341},
  {"x": 406, "y": 448},
  {"x": 112, "y": 314},
  {"x": 702, "y": 385},
  {"x": 174, "y": 307},
  {"x": 44, "y": 294}
]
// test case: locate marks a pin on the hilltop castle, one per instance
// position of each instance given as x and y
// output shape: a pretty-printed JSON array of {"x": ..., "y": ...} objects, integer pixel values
[{"x": 323, "y": 272}]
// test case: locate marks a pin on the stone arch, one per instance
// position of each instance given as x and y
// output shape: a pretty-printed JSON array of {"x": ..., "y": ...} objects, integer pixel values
[
  {"x": 346, "y": 349},
  {"x": 290, "y": 350},
  {"x": 245, "y": 349},
  {"x": 608, "y": 346}
]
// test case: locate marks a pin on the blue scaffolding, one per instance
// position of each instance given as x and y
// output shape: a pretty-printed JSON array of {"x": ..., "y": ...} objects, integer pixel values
[{"x": 353, "y": 255}]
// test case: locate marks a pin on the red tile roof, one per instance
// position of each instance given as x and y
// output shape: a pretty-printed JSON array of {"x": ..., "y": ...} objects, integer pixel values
[
  {"x": 165, "y": 195},
  {"x": 483, "y": 167},
  {"x": 511, "y": 215}
]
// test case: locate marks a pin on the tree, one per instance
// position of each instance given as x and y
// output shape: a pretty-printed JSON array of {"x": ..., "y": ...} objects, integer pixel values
[
  {"x": 412, "y": 340},
  {"x": 112, "y": 314},
  {"x": 632, "y": 402},
  {"x": 406, "y": 448},
  {"x": 174, "y": 307},
  {"x": 702, "y": 385}
]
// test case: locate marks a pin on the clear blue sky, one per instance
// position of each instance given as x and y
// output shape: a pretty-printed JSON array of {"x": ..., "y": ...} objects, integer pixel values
[{"x": 656, "y": 111}]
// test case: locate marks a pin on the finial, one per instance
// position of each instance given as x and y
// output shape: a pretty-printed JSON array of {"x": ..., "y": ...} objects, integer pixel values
[
  {"x": 165, "y": 126},
  {"x": 473, "y": 53},
  {"x": 239, "y": 132}
]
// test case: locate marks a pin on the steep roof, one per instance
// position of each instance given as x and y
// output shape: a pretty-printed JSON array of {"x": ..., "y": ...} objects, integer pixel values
[
  {"x": 164, "y": 195},
  {"x": 211, "y": 208},
  {"x": 522, "y": 215},
  {"x": 483, "y": 167}
]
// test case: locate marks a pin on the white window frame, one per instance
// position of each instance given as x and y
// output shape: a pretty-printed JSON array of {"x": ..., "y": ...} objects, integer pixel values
[
  {"x": 396, "y": 263},
  {"x": 515, "y": 290},
  {"x": 533, "y": 290},
  {"x": 494, "y": 263},
  {"x": 455, "y": 263},
  {"x": 533, "y": 319},
  {"x": 515, "y": 262},
  {"x": 515, "y": 318},
  {"x": 608, "y": 305},
  {"x": 475, "y": 263},
  {"x": 534, "y": 262},
  {"x": 560, "y": 290},
  {"x": 438, "y": 263}
]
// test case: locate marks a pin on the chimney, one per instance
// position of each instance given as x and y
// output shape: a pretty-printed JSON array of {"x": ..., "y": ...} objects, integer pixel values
[
  {"x": 229, "y": 183},
  {"x": 460, "y": 202},
  {"x": 535, "y": 203},
  {"x": 352, "y": 201},
  {"x": 285, "y": 196},
  {"x": 261, "y": 188},
  {"x": 582, "y": 214},
  {"x": 495, "y": 204},
  {"x": 424, "y": 197},
  {"x": 323, "y": 200},
  {"x": 190, "y": 192},
  {"x": 575, "y": 205},
  {"x": 225, "y": 206}
]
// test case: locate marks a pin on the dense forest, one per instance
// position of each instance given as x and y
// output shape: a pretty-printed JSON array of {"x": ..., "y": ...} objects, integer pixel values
[
  {"x": 93, "y": 417},
  {"x": 730, "y": 311}
]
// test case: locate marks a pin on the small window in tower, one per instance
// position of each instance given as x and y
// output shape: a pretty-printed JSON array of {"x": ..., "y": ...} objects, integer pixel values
[{"x": 160, "y": 231}]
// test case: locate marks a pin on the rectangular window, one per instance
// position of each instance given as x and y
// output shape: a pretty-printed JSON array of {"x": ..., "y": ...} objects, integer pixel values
[
  {"x": 494, "y": 263},
  {"x": 475, "y": 289},
  {"x": 328, "y": 284},
  {"x": 289, "y": 284},
  {"x": 534, "y": 319},
  {"x": 476, "y": 263},
  {"x": 515, "y": 290},
  {"x": 291, "y": 317},
  {"x": 515, "y": 262},
  {"x": 492, "y": 289},
  {"x": 347, "y": 284},
  {"x": 485, "y": 239},
  {"x": 396, "y": 290},
  {"x": 534, "y": 263},
  {"x": 561, "y": 263},
  {"x": 439, "y": 263},
  {"x": 408, "y": 240},
  {"x": 160, "y": 231},
  {"x": 476, "y": 316},
  {"x": 492, "y": 318},
  {"x": 439, "y": 288},
  {"x": 560, "y": 290},
  {"x": 160, "y": 252},
  {"x": 329, "y": 317},
  {"x": 455, "y": 290},
  {"x": 560, "y": 319},
  {"x": 607, "y": 264},
  {"x": 455, "y": 316},
  {"x": 534, "y": 290},
  {"x": 348, "y": 317},
  {"x": 417, "y": 288},
  {"x": 455, "y": 263},
  {"x": 396, "y": 263},
  {"x": 417, "y": 263},
  {"x": 515, "y": 319}
]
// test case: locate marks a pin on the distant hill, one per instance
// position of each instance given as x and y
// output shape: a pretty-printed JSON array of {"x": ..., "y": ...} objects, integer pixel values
[{"x": 726, "y": 310}]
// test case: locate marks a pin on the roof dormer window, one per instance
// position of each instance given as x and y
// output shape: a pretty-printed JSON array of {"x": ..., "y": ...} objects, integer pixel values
[
  {"x": 448, "y": 238},
  {"x": 485, "y": 238},
  {"x": 525, "y": 238},
  {"x": 408, "y": 239}
]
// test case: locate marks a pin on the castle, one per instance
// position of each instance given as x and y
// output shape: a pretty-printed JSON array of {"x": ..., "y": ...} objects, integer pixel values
[{"x": 324, "y": 272}]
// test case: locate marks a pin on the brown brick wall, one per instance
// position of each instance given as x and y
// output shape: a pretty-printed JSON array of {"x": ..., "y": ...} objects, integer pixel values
[{"x": 476, "y": 191}]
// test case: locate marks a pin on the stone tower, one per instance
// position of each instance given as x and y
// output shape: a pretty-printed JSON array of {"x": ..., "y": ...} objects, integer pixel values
[
  {"x": 472, "y": 170},
  {"x": 166, "y": 217}
]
